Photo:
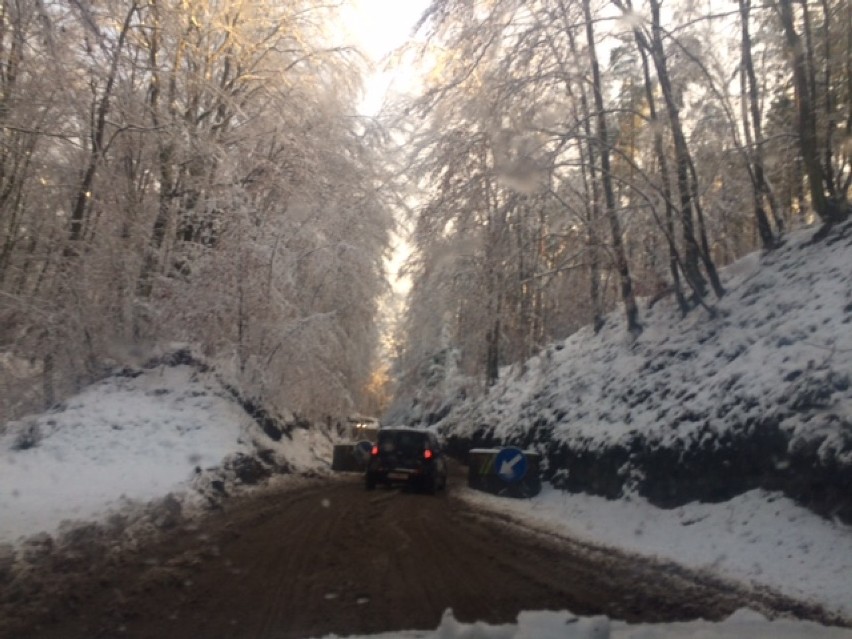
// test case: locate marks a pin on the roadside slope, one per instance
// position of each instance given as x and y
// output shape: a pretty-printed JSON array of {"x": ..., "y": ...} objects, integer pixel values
[
  {"x": 757, "y": 394},
  {"x": 169, "y": 430}
]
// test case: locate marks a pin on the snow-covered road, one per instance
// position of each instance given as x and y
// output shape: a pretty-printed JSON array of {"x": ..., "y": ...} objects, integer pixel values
[{"x": 330, "y": 557}]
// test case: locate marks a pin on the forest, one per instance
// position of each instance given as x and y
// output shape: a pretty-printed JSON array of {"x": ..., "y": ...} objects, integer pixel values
[
  {"x": 196, "y": 171},
  {"x": 572, "y": 156},
  {"x": 190, "y": 171}
]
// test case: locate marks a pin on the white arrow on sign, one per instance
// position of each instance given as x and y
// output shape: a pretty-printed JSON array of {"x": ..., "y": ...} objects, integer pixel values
[{"x": 507, "y": 468}]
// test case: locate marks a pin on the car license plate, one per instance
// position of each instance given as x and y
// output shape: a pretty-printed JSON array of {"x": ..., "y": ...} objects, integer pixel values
[{"x": 400, "y": 476}]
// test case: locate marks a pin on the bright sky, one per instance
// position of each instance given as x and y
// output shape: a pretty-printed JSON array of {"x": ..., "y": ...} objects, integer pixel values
[
  {"x": 379, "y": 27},
  {"x": 383, "y": 25}
]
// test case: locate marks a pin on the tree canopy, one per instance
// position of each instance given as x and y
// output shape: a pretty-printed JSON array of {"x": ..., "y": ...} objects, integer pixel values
[{"x": 188, "y": 171}]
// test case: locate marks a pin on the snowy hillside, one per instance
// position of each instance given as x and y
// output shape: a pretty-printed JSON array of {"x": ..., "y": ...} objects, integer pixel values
[
  {"x": 755, "y": 394},
  {"x": 168, "y": 428}
]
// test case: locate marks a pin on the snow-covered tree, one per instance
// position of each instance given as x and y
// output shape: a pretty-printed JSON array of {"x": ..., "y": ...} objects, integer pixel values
[
  {"x": 552, "y": 191},
  {"x": 188, "y": 171}
]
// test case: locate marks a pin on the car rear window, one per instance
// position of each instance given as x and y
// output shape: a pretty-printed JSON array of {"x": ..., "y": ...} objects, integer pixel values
[{"x": 402, "y": 441}]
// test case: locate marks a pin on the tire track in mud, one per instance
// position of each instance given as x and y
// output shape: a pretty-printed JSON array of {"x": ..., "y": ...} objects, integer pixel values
[{"x": 335, "y": 558}]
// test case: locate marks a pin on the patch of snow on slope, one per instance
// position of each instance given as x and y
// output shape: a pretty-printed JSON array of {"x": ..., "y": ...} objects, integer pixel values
[
  {"x": 125, "y": 440},
  {"x": 757, "y": 538}
]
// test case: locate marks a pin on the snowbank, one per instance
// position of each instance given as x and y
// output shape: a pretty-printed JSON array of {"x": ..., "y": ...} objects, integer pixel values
[
  {"x": 133, "y": 438},
  {"x": 758, "y": 539},
  {"x": 564, "y": 625}
]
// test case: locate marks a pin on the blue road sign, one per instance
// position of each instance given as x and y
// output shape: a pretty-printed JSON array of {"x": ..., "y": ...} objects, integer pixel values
[{"x": 511, "y": 465}]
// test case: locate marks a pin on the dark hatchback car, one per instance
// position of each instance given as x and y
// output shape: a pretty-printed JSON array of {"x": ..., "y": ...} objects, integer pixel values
[{"x": 407, "y": 456}]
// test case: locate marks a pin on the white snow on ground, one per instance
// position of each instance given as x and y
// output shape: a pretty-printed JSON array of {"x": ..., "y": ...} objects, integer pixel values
[
  {"x": 124, "y": 440},
  {"x": 758, "y": 538},
  {"x": 743, "y": 624}
]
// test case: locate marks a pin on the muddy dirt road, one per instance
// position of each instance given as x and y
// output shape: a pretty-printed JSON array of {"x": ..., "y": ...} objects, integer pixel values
[{"x": 334, "y": 558}]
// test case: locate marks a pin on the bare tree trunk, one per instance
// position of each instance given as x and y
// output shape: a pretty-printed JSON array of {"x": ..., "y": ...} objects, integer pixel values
[
  {"x": 47, "y": 383},
  {"x": 591, "y": 185},
  {"x": 846, "y": 15},
  {"x": 593, "y": 213},
  {"x": 492, "y": 353},
  {"x": 755, "y": 144},
  {"x": 165, "y": 159},
  {"x": 494, "y": 245},
  {"x": 627, "y": 296},
  {"x": 84, "y": 191},
  {"x": 18, "y": 147},
  {"x": 828, "y": 101},
  {"x": 665, "y": 179},
  {"x": 706, "y": 257},
  {"x": 830, "y": 212},
  {"x": 691, "y": 251},
  {"x": 523, "y": 254}
]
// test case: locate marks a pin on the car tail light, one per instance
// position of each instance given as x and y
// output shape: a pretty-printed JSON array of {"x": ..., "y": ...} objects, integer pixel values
[
  {"x": 427, "y": 454},
  {"x": 375, "y": 451}
]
